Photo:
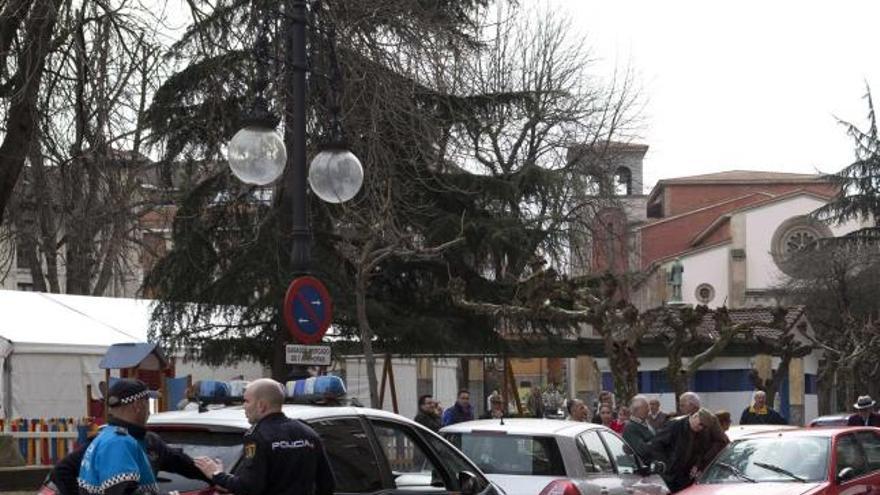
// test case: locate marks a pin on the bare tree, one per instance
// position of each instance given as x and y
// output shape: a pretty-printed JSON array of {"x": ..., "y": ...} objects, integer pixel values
[
  {"x": 78, "y": 210},
  {"x": 837, "y": 280}
]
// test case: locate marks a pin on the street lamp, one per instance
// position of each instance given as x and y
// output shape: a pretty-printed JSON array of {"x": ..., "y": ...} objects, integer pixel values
[{"x": 257, "y": 154}]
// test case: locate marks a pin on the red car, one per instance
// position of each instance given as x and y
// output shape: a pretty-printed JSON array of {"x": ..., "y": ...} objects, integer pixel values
[{"x": 827, "y": 461}]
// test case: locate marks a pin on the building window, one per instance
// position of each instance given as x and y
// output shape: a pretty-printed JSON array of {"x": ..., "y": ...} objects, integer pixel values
[
  {"x": 796, "y": 235},
  {"x": 623, "y": 182},
  {"x": 25, "y": 287},
  {"x": 21, "y": 259},
  {"x": 705, "y": 293}
]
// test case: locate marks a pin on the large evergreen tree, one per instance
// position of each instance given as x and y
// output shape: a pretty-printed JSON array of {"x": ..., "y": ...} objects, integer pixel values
[
  {"x": 469, "y": 190},
  {"x": 859, "y": 182}
]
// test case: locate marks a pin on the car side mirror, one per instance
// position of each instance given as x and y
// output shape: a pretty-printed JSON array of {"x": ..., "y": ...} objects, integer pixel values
[
  {"x": 845, "y": 474},
  {"x": 658, "y": 467},
  {"x": 468, "y": 483}
]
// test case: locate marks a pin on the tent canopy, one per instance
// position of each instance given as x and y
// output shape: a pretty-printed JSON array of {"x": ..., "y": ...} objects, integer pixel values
[
  {"x": 60, "y": 319},
  {"x": 147, "y": 356}
]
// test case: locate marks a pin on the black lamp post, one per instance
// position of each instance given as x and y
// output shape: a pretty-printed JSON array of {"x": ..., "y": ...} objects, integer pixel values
[{"x": 257, "y": 155}]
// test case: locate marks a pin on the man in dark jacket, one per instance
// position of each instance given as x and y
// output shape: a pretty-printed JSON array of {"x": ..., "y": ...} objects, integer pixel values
[
  {"x": 427, "y": 415},
  {"x": 461, "y": 411},
  {"x": 865, "y": 415},
  {"x": 282, "y": 456},
  {"x": 637, "y": 432},
  {"x": 686, "y": 445},
  {"x": 759, "y": 413}
]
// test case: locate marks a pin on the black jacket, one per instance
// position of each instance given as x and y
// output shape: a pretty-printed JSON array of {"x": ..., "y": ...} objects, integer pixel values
[
  {"x": 639, "y": 437},
  {"x": 162, "y": 458},
  {"x": 681, "y": 449},
  {"x": 281, "y": 456},
  {"x": 771, "y": 418},
  {"x": 856, "y": 420},
  {"x": 429, "y": 421}
]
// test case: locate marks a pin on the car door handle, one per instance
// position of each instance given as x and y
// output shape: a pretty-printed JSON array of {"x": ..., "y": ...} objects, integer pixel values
[{"x": 603, "y": 491}]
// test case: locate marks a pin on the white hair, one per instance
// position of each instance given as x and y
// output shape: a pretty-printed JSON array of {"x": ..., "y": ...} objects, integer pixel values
[
  {"x": 638, "y": 400},
  {"x": 691, "y": 398}
]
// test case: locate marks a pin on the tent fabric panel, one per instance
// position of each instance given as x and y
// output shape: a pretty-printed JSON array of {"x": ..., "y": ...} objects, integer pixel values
[{"x": 51, "y": 386}]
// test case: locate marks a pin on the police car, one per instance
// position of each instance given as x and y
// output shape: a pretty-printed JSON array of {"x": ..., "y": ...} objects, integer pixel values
[{"x": 370, "y": 450}]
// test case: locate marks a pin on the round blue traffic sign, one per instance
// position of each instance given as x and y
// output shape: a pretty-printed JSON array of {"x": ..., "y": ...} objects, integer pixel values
[{"x": 308, "y": 310}]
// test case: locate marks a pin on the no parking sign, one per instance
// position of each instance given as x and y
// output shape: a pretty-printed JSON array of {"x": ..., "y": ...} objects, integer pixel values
[{"x": 308, "y": 310}]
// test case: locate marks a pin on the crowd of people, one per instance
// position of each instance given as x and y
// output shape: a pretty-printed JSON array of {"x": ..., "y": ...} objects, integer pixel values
[{"x": 685, "y": 441}]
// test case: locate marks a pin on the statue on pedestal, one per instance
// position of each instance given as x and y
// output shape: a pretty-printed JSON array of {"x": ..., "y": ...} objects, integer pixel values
[{"x": 674, "y": 280}]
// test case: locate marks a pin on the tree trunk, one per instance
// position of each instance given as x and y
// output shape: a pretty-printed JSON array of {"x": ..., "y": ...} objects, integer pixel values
[
  {"x": 22, "y": 115},
  {"x": 366, "y": 336}
]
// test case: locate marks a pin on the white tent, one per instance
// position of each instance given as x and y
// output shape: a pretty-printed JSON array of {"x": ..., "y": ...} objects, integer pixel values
[{"x": 51, "y": 344}]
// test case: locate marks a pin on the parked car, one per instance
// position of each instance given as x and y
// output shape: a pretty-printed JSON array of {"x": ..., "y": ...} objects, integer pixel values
[
  {"x": 739, "y": 431},
  {"x": 546, "y": 456},
  {"x": 370, "y": 451},
  {"x": 827, "y": 461},
  {"x": 830, "y": 420}
]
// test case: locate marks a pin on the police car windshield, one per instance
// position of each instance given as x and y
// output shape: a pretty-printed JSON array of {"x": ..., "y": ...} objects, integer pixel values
[{"x": 225, "y": 446}]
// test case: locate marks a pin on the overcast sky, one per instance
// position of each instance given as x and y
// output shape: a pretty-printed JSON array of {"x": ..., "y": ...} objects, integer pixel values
[{"x": 752, "y": 85}]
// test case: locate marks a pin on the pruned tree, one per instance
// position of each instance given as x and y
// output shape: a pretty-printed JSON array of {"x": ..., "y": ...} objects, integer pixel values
[
  {"x": 785, "y": 344},
  {"x": 698, "y": 330}
]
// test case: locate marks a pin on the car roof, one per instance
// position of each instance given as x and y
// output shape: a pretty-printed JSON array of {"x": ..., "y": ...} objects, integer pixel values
[
  {"x": 524, "y": 426},
  {"x": 233, "y": 417}
]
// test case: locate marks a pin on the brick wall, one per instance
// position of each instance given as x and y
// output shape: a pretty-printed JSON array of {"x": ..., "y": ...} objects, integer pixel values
[{"x": 682, "y": 198}]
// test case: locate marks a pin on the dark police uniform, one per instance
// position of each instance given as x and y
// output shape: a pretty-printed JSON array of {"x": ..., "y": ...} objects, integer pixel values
[
  {"x": 281, "y": 456},
  {"x": 162, "y": 458}
]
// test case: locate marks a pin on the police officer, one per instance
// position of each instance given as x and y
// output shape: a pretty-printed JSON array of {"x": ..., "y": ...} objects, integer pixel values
[
  {"x": 63, "y": 477},
  {"x": 116, "y": 462},
  {"x": 281, "y": 455}
]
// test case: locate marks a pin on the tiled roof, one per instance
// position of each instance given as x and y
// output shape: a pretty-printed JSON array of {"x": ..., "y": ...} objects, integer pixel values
[
  {"x": 761, "y": 315},
  {"x": 743, "y": 176}
]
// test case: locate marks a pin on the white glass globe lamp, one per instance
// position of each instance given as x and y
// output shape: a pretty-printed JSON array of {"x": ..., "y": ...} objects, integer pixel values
[{"x": 336, "y": 175}]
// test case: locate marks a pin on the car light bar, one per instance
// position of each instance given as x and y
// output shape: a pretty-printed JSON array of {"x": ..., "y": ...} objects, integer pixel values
[{"x": 325, "y": 389}]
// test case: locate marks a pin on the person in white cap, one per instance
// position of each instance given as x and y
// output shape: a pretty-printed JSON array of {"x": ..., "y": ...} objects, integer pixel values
[{"x": 865, "y": 415}]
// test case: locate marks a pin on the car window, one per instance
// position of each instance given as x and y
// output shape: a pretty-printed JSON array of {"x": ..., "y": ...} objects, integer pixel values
[
  {"x": 453, "y": 461},
  {"x": 621, "y": 453},
  {"x": 850, "y": 455},
  {"x": 351, "y": 455},
  {"x": 771, "y": 459},
  {"x": 496, "y": 453},
  {"x": 594, "y": 453},
  {"x": 410, "y": 466},
  {"x": 224, "y": 446},
  {"x": 870, "y": 443}
]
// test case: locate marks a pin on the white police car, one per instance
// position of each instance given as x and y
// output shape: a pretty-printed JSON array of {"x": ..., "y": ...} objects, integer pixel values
[{"x": 370, "y": 451}]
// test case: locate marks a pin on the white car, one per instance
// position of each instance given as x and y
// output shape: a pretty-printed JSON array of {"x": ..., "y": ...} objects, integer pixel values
[
  {"x": 370, "y": 451},
  {"x": 554, "y": 457}
]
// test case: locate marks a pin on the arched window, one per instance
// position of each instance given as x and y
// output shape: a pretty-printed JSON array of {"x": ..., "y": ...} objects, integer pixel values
[{"x": 622, "y": 182}]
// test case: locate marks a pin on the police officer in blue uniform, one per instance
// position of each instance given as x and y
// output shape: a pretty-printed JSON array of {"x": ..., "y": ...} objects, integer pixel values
[
  {"x": 63, "y": 477},
  {"x": 281, "y": 455},
  {"x": 116, "y": 462}
]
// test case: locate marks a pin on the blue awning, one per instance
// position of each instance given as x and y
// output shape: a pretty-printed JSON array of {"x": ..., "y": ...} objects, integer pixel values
[{"x": 145, "y": 355}]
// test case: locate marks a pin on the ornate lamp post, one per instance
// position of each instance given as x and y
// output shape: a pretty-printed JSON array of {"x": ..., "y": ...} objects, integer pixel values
[{"x": 257, "y": 154}]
